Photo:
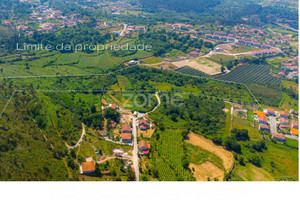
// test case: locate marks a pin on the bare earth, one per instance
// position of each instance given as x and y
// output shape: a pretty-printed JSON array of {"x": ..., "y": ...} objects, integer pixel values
[
  {"x": 207, "y": 171},
  {"x": 201, "y": 64},
  {"x": 226, "y": 156}
]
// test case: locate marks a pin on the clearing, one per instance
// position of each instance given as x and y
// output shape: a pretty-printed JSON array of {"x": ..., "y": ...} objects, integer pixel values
[
  {"x": 206, "y": 171},
  {"x": 201, "y": 64},
  {"x": 206, "y": 144}
]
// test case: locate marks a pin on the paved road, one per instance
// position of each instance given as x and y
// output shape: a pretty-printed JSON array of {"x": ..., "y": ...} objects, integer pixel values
[
  {"x": 135, "y": 157},
  {"x": 80, "y": 139},
  {"x": 273, "y": 125}
]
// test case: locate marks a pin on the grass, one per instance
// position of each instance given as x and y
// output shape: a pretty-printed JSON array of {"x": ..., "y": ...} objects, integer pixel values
[
  {"x": 228, "y": 119},
  {"x": 242, "y": 49},
  {"x": 152, "y": 60},
  {"x": 174, "y": 54},
  {"x": 288, "y": 103},
  {"x": 218, "y": 58},
  {"x": 250, "y": 172},
  {"x": 245, "y": 124},
  {"x": 290, "y": 85},
  {"x": 198, "y": 156}
]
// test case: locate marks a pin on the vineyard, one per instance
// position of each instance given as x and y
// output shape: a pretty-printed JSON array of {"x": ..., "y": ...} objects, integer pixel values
[
  {"x": 169, "y": 161},
  {"x": 190, "y": 71},
  {"x": 251, "y": 74},
  {"x": 248, "y": 73}
]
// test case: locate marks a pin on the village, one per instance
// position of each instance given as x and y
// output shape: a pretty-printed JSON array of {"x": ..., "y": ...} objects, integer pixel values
[{"x": 131, "y": 131}]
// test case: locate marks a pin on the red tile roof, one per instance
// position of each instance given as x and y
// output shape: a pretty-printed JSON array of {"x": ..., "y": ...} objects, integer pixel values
[{"x": 278, "y": 135}]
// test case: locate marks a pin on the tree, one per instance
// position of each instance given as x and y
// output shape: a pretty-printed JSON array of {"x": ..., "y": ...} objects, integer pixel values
[{"x": 110, "y": 113}]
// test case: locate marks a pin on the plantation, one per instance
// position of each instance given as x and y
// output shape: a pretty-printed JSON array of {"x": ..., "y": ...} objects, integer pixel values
[
  {"x": 251, "y": 73},
  {"x": 190, "y": 71}
]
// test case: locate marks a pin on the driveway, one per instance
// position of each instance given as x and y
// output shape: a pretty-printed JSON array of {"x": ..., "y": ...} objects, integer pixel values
[{"x": 80, "y": 139}]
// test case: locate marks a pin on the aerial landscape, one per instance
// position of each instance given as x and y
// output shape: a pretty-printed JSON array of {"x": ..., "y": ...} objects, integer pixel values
[{"x": 149, "y": 90}]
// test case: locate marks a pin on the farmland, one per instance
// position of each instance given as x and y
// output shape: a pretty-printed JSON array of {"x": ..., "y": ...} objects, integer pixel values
[
  {"x": 169, "y": 164},
  {"x": 251, "y": 73},
  {"x": 190, "y": 71}
]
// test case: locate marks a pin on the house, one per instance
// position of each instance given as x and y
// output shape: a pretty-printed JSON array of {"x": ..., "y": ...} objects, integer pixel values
[
  {"x": 278, "y": 136},
  {"x": 262, "y": 120},
  {"x": 281, "y": 74},
  {"x": 263, "y": 127},
  {"x": 259, "y": 113},
  {"x": 294, "y": 131},
  {"x": 126, "y": 128},
  {"x": 87, "y": 167},
  {"x": 113, "y": 106},
  {"x": 208, "y": 36},
  {"x": 143, "y": 124},
  {"x": 126, "y": 138},
  {"x": 283, "y": 121},
  {"x": 283, "y": 114},
  {"x": 294, "y": 124},
  {"x": 118, "y": 152},
  {"x": 270, "y": 112},
  {"x": 144, "y": 147}
]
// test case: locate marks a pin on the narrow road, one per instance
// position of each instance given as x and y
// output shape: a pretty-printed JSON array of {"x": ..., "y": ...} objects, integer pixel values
[
  {"x": 273, "y": 125},
  {"x": 231, "y": 118},
  {"x": 123, "y": 32},
  {"x": 80, "y": 139},
  {"x": 135, "y": 157}
]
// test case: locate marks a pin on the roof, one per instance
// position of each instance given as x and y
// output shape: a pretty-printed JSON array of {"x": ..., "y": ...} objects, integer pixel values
[
  {"x": 126, "y": 127},
  {"x": 283, "y": 120},
  {"x": 278, "y": 135},
  {"x": 259, "y": 113},
  {"x": 88, "y": 166},
  {"x": 270, "y": 111},
  {"x": 264, "y": 126},
  {"x": 143, "y": 144},
  {"x": 295, "y": 123},
  {"x": 294, "y": 131},
  {"x": 142, "y": 121},
  {"x": 126, "y": 136},
  {"x": 262, "y": 118},
  {"x": 283, "y": 113}
]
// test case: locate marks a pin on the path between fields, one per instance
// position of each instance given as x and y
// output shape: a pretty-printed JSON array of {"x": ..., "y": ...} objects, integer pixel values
[
  {"x": 206, "y": 144},
  {"x": 80, "y": 139}
]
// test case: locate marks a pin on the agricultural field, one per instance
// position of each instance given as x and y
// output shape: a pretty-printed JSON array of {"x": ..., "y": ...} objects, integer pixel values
[
  {"x": 190, "y": 71},
  {"x": 168, "y": 160},
  {"x": 219, "y": 58},
  {"x": 204, "y": 65},
  {"x": 251, "y": 74}
]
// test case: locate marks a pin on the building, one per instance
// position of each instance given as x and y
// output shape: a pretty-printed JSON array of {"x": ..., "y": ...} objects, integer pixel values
[
  {"x": 143, "y": 124},
  {"x": 278, "y": 136},
  {"x": 262, "y": 120},
  {"x": 118, "y": 152},
  {"x": 87, "y": 167},
  {"x": 264, "y": 127},
  {"x": 144, "y": 147},
  {"x": 126, "y": 128},
  {"x": 295, "y": 125},
  {"x": 208, "y": 36},
  {"x": 294, "y": 131},
  {"x": 283, "y": 114},
  {"x": 271, "y": 112},
  {"x": 283, "y": 121},
  {"x": 259, "y": 113},
  {"x": 126, "y": 138}
]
